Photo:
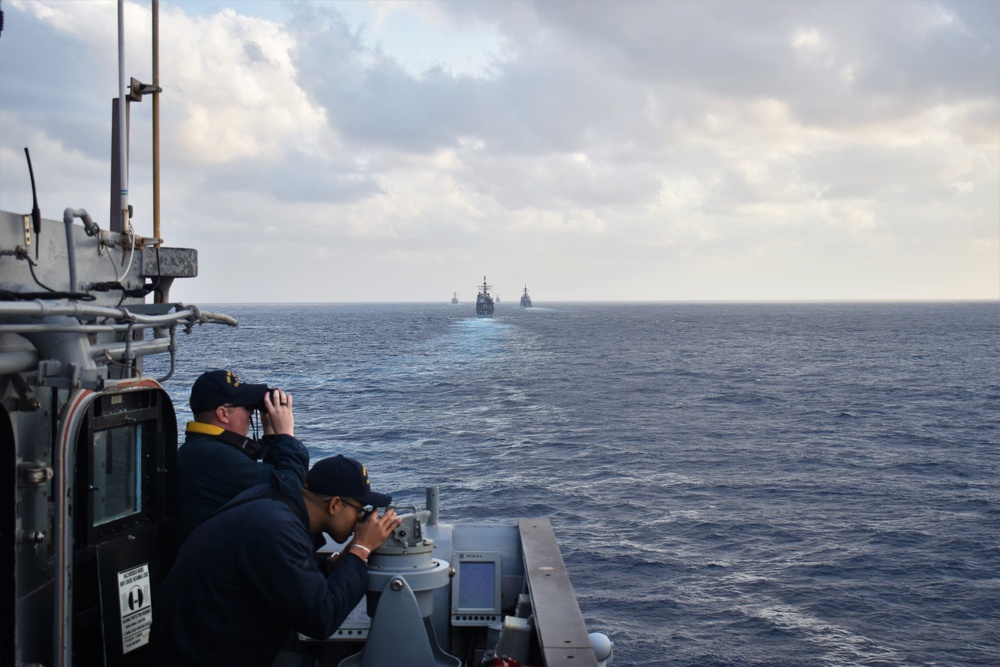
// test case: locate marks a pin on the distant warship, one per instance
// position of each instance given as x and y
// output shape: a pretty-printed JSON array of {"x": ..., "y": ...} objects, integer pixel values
[
  {"x": 525, "y": 299},
  {"x": 484, "y": 302}
]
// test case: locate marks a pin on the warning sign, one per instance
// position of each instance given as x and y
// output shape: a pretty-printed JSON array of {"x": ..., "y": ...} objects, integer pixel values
[{"x": 136, "y": 607}]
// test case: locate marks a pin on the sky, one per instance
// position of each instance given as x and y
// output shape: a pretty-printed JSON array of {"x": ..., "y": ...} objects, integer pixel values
[{"x": 630, "y": 150}]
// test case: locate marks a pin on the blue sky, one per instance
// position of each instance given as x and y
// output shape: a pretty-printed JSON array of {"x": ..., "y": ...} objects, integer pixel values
[{"x": 636, "y": 150}]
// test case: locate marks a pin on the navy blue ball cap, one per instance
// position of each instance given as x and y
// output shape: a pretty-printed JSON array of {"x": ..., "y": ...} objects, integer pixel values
[
  {"x": 216, "y": 388},
  {"x": 346, "y": 478}
]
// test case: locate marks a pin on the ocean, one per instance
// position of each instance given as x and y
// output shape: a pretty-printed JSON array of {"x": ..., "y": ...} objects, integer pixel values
[{"x": 744, "y": 485}]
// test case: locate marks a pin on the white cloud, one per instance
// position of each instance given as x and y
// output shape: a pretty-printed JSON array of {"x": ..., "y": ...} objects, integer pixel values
[
  {"x": 673, "y": 150},
  {"x": 238, "y": 94}
]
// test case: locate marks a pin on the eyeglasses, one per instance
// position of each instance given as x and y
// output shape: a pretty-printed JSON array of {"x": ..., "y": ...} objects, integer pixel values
[{"x": 363, "y": 512}]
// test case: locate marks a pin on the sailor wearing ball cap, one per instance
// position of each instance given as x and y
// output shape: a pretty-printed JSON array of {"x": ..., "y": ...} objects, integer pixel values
[
  {"x": 218, "y": 460},
  {"x": 250, "y": 574}
]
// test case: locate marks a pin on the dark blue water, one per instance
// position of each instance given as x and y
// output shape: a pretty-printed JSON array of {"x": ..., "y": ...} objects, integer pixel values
[{"x": 744, "y": 485}]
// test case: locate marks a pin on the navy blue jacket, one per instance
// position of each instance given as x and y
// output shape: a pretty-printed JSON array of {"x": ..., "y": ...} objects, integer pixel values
[
  {"x": 247, "y": 576},
  {"x": 211, "y": 473}
]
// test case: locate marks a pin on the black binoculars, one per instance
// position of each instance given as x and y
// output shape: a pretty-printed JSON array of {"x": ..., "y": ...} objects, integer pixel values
[{"x": 262, "y": 406}]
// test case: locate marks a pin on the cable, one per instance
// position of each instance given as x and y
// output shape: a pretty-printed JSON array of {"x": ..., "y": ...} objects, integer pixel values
[
  {"x": 31, "y": 266},
  {"x": 131, "y": 253},
  {"x": 49, "y": 293},
  {"x": 6, "y": 295},
  {"x": 36, "y": 213}
]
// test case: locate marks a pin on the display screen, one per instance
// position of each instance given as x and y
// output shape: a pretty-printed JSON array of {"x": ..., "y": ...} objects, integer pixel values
[{"x": 476, "y": 585}]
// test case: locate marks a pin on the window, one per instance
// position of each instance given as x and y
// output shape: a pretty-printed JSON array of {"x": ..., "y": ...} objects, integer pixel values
[{"x": 117, "y": 473}]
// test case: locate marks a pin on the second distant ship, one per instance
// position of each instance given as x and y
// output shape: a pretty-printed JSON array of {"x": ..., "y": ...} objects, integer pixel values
[
  {"x": 525, "y": 299},
  {"x": 484, "y": 302}
]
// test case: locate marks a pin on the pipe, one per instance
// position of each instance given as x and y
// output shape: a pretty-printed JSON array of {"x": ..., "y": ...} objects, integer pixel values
[
  {"x": 23, "y": 361},
  {"x": 58, "y": 340},
  {"x": 73, "y": 350},
  {"x": 138, "y": 348},
  {"x": 64, "y": 462},
  {"x": 173, "y": 353},
  {"x": 70, "y": 250},
  {"x": 76, "y": 327},
  {"x": 122, "y": 125},
  {"x": 18, "y": 361},
  {"x": 39, "y": 308},
  {"x": 433, "y": 505},
  {"x": 88, "y": 223}
]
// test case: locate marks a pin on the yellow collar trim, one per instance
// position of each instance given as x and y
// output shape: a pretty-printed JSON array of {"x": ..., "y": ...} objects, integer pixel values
[{"x": 200, "y": 427}]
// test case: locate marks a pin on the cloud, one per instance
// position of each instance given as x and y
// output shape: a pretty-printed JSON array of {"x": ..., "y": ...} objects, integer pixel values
[
  {"x": 237, "y": 95},
  {"x": 660, "y": 151}
]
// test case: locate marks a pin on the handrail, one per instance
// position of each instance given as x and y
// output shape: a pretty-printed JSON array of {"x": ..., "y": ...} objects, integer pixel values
[
  {"x": 67, "y": 319},
  {"x": 40, "y": 309}
]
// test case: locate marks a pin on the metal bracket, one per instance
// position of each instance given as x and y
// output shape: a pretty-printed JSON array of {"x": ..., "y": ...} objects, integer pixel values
[
  {"x": 34, "y": 473},
  {"x": 26, "y": 401},
  {"x": 52, "y": 373}
]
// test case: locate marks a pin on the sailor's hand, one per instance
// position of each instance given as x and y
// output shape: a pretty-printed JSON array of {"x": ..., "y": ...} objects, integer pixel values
[
  {"x": 278, "y": 419},
  {"x": 371, "y": 533}
]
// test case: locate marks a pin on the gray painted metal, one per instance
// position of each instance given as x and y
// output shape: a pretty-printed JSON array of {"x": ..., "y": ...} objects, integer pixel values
[
  {"x": 562, "y": 633},
  {"x": 399, "y": 635},
  {"x": 169, "y": 262}
]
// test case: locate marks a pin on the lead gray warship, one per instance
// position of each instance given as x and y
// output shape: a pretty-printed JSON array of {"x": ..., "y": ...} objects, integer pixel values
[{"x": 484, "y": 302}]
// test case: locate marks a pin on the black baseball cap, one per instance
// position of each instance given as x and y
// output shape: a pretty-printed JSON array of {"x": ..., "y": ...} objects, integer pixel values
[
  {"x": 346, "y": 478},
  {"x": 216, "y": 388}
]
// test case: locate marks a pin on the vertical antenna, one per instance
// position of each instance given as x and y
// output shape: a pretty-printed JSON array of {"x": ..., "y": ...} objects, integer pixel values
[
  {"x": 122, "y": 125},
  {"x": 156, "y": 121}
]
